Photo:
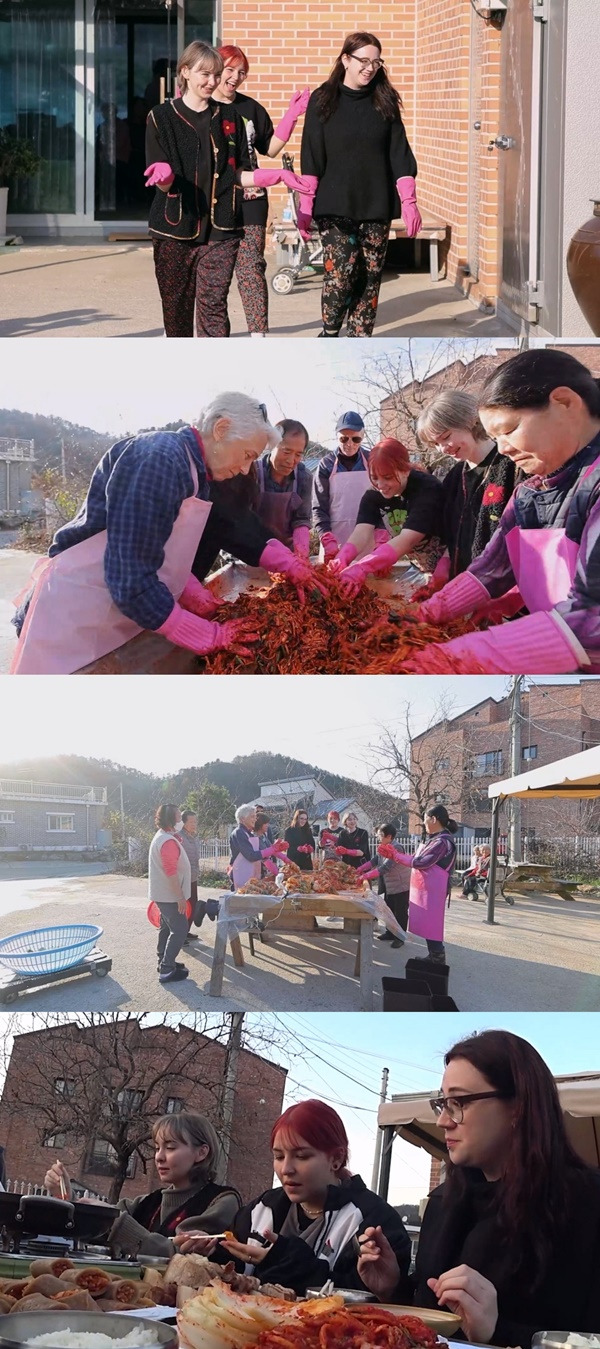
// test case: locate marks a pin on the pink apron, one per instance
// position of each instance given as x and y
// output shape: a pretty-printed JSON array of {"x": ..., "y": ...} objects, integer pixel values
[
  {"x": 72, "y": 619},
  {"x": 427, "y": 902},
  {"x": 544, "y": 562},
  {"x": 242, "y": 870},
  {"x": 346, "y": 491}
]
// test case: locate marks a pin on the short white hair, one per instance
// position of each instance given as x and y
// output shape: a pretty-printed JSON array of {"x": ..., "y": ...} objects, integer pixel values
[
  {"x": 244, "y": 811},
  {"x": 244, "y": 413}
]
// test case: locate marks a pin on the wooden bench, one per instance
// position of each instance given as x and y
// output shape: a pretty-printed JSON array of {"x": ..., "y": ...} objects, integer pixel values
[
  {"x": 435, "y": 231},
  {"x": 537, "y": 878}
]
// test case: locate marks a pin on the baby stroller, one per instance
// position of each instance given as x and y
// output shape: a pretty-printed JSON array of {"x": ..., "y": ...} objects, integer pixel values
[{"x": 296, "y": 256}]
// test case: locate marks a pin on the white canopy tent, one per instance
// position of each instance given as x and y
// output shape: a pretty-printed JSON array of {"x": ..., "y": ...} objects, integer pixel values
[
  {"x": 411, "y": 1117},
  {"x": 575, "y": 777}
]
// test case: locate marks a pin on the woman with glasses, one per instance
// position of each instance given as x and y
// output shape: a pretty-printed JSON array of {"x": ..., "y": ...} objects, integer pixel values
[
  {"x": 355, "y": 144},
  {"x": 250, "y": 266},
  {"x": 511, "y": 1239},
  {"x": 339, "y": 484},
  {"x": 404, "y": 503},
  {"x": 430, "y": 879},
  {"x": 299, "y": 837}
]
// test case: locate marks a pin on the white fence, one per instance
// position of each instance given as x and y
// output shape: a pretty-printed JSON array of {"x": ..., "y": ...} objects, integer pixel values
[{"x": 214, "y": 852}]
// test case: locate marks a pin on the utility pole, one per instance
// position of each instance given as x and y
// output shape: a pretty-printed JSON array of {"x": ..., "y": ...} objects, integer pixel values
[
  {"x": 122, "y": 812},
  {"x": 63, "y": 462},
  {"x": 379, "y": 1139},
  {"x": 234, "y": 1045},
  {"x": 514, "y": 832}
]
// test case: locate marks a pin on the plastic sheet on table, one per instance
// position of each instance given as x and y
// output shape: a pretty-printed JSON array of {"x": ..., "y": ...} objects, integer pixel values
[{"x": 248, "y": 908}]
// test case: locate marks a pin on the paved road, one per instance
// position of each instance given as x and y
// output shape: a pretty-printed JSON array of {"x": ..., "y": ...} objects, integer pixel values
[
  {"x": 109, "y": 290},
  {"x": 542, "y": 956},
  {"x": 15, "y": 570}
]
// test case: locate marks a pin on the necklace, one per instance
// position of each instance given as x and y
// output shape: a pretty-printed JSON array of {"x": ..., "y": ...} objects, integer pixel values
[{"x": 311, "y": 1212}]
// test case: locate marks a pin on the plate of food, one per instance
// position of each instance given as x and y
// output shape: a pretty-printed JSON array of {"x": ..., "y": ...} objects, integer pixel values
[
  {"x": 445, "y": 1323},
  {"x": 219, "y": 1318}
]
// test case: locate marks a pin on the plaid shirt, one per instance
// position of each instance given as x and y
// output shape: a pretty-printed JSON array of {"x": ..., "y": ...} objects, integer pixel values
[{"x": 135, "y": 495}]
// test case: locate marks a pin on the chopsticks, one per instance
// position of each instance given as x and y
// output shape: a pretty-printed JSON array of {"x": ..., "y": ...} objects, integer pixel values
[{"x": 63, "y": 1188}]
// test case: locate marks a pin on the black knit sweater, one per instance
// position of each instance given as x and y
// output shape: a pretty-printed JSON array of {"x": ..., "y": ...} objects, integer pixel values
[
  {"x": 357, "y": 155},
  {"x": 202, "y": 194}
]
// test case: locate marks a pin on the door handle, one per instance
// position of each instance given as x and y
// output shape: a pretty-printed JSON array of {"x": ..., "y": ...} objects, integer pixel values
[{"x": 502, "y": 143}]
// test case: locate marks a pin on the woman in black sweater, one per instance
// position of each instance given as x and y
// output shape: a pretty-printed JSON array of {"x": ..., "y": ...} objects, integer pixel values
[
  {"x": 353, "y": 846},
  {"x": 511, "y": 1240},
  {"x": 301, "y": 841},
  {"x": 354, "y": 142}
]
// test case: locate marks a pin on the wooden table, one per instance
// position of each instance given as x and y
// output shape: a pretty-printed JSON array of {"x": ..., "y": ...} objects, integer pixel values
[
  {"x": 319, "y": 906},
  {"x": 538, "y": 877},
  {"x": 149, "y": 653}
]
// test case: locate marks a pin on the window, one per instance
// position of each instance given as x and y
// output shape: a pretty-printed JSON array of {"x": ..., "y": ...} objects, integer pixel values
[
  {"x": 442, "y": 798},
  {"x": 53, "y": 1141},
  {"x": 488, "y": 763},
  {"x": 529, "y": 752},
  {"x": 129, "y": 1101},
  {"x": 64, "y": 1086},
  {"x": 60, "y": 824},
  {"x": 7, "y": 816},
  {"x": 173, "y": 1105},
  {"x": 443, "y": 765},
  {"x": 102, "y": 1159}
]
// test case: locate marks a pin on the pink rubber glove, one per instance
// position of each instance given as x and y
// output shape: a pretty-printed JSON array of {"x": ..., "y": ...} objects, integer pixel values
[
  {"x": 330, "y": 545},
  {"x": 388, "y": 850},
  {"x": 271, "y": 851},
  {"x": 441, "y": 574},
  {"x": 196, "y": 634},
  {"x": 295, "y": 182},
  {"x": 370, "y": 875},
  {"x": 276, "y": 557},
  {"x": 375, "y": 564},
  {"x": 361, "y": 871},
  {"x": 159, "y": 175},
  {"x": 304, "y": 213},
  {"x": 297, "y": 108},
  {"x": 301, "y": 540},
  {"x": 267, "y": 177},
  {"x": 349, "y": 852},
  {"x": 281, "y": 844},
  {"x": 463, "y": 595},
  {"x": 305, "y": 847},
  {"x": 197, "y": 599},
  {"x": 381, "y": 537},
  {"x": 541, "y": 642},
  {"x": 506, "y": 607},
  {"x": 270, "y": 867},
  {"x": 327, "y": 837},
  {"x": 346, "y": 555},
  {"x": 407, "y": 192}
]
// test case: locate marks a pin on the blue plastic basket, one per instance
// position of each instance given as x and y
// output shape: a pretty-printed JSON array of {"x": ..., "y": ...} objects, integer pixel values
[{"x": 46, "y": 950}]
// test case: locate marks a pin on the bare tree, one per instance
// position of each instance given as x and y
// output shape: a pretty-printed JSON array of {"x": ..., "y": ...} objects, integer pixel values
[
  {"x": 103, "y": 1077},
  {"x": 422, "y": 766},
  {"x": 398, "y": 382}
]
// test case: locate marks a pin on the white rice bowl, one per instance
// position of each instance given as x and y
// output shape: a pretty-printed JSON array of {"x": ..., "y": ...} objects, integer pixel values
[{"x": 95, "y": 1339}]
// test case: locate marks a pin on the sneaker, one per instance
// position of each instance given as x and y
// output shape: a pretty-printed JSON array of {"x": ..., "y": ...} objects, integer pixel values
[
  {"x": 179, "y": 965},
  {"x": 191, "y": 937},
  {"x": 174, "y": 976},
  {"x": 396, "y": 944},
  {"x": 385, "y": 936}
]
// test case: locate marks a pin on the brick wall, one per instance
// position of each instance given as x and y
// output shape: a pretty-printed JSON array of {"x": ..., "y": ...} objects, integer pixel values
[
  {"x": 561, "y": 719},
  {"x": 30, "y": 829},
  {"x": 258, "y": 1102}
]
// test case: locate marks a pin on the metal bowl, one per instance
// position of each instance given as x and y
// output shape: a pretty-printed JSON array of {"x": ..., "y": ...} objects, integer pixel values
[{"x": 18, "y": 1327}]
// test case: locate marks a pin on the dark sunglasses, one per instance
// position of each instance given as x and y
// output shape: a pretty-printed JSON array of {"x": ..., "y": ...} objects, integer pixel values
[{"x": 355, "y": 439}]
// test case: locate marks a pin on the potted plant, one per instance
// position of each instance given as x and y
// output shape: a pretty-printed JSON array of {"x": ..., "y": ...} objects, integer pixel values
[{"x": 18, "y": 159}]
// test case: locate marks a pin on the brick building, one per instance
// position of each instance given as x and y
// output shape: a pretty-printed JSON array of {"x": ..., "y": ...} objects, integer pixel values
[
  {"x": 61, "y": 1081},
  {"x": 17, "y": 459},
  {"x": 51, "y": 817},
  {"x": 472, "y": 750}
]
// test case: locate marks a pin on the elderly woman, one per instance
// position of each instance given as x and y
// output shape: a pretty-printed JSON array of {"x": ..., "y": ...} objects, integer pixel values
[
  {"x": 170, "y": 888},
  {"x": 478, "y": 485},
  {"x": 187, "y": 1153},
  {"x": 124, "y": 563},
  {"x": 248, "y": 851},
  {"x": 543, "y": 409},
  {"x": 285, "y": 486}
]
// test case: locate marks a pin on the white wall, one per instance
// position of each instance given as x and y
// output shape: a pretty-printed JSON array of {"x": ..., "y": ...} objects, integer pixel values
[{"x": 582, "y": 140}]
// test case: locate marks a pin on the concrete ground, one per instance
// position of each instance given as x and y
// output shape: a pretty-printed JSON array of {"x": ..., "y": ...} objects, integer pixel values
[
  {"x": 542, "y": 955},
  {"x": 108, "y": 290}
]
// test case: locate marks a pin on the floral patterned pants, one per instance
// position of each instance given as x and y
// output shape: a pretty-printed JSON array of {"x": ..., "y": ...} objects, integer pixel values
[
  {"x": 354, "y": 254},
  {"x": 250, "y": 271},
  {"x": 195, "y": 276}
]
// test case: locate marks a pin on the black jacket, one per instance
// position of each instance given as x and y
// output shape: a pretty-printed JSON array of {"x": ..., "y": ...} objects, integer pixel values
[
  {"x": 349, "y": 1209},
  {"x": 359, "y": 838},
  {"x": 181, "y": 213},
  {"x": 146, "y": 1210},
  {"x": 467, "y": 1233}
]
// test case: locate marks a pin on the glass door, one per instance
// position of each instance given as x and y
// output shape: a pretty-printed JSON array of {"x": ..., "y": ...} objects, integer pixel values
[
  {"x": 135, "y": 44},
  {"x": 38, "y": 100}
]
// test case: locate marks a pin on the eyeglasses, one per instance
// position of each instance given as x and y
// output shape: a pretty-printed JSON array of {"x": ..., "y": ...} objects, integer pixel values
[
  {"x": 455, "y": 1105},
  {"x": 364, "y": 62},
  {"x": 356, "y": 440}
]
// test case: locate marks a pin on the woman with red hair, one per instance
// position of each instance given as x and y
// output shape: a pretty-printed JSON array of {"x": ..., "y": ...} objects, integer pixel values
[
  {"x": 404, "y": 501},
  {"x": 263, "y": 138},
  {"x": 320, "y": 1222}
]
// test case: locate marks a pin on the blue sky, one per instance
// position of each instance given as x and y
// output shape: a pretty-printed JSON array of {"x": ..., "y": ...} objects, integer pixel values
[
  {"x": 341, "y": 1057},
  {"x": 329, "y": 721}
]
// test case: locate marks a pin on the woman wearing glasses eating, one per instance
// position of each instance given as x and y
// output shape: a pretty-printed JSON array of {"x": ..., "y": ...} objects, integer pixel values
[
  {"x": 511, "y": 1239},
  {"x": 355, "y": 144}
]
